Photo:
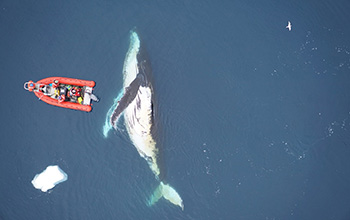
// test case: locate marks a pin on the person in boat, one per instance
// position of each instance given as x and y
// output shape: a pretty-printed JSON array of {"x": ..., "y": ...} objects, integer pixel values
[
  {"x": 72, "y": 91},
  {"x": 78, "y": 92},
  {"x": 55, "y": 83},
  {"x": 75, "y": 91},
  {"x": 61, "y": 98}
]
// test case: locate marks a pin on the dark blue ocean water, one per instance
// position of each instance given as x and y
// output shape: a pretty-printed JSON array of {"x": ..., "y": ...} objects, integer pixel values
[{"x": 255, "y": 118}]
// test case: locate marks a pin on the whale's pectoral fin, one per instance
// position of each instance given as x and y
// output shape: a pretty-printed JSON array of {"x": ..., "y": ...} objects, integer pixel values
[
  {"x": 129, "y": 95},
  {"x": 169, "y": 193}
]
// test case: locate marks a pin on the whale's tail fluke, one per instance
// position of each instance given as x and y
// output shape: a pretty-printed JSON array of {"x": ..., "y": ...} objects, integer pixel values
[{"x": 168, "y": 192}]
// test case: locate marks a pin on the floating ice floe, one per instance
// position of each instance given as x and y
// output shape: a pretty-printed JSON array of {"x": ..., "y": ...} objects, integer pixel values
[{"x": 50, "y": 177}]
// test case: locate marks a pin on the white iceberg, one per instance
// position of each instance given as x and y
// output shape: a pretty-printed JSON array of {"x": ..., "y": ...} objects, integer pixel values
[{"x": 50, "y": 177}]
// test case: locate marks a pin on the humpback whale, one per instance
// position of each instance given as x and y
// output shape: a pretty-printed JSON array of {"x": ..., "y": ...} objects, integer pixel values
[{"x": 135, "y": 103}]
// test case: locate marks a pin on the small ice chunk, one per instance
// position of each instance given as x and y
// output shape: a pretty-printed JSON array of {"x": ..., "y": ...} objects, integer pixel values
[{"x": 51, "y": 176}]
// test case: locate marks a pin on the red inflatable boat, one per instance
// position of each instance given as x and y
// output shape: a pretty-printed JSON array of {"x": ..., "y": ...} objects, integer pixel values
[{"x": 64, "y": 92}]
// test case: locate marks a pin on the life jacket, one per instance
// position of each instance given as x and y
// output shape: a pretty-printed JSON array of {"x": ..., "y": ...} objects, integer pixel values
[
  {"x": 55, "y": 83},
  {"x": 78, "y": 92},
  {"x": 75, "y": 91},
  {"x": 61, "y": 98}
]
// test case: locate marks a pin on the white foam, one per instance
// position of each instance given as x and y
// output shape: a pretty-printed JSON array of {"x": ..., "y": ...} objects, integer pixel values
[{"x": 50, "y": 177}]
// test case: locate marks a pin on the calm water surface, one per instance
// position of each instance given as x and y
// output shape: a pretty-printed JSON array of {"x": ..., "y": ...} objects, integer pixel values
[{"x": 255, "y": 118}]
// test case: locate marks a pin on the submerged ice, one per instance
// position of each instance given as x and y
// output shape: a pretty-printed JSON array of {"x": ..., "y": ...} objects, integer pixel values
[{"x": 50, "y": 177}]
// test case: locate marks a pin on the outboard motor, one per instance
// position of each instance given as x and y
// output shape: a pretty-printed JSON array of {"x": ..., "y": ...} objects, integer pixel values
[{"x": 94, "y": 98}]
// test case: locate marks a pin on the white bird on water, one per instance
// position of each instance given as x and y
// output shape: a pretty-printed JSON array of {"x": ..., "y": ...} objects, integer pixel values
[{"x": 289, "y": 26}]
